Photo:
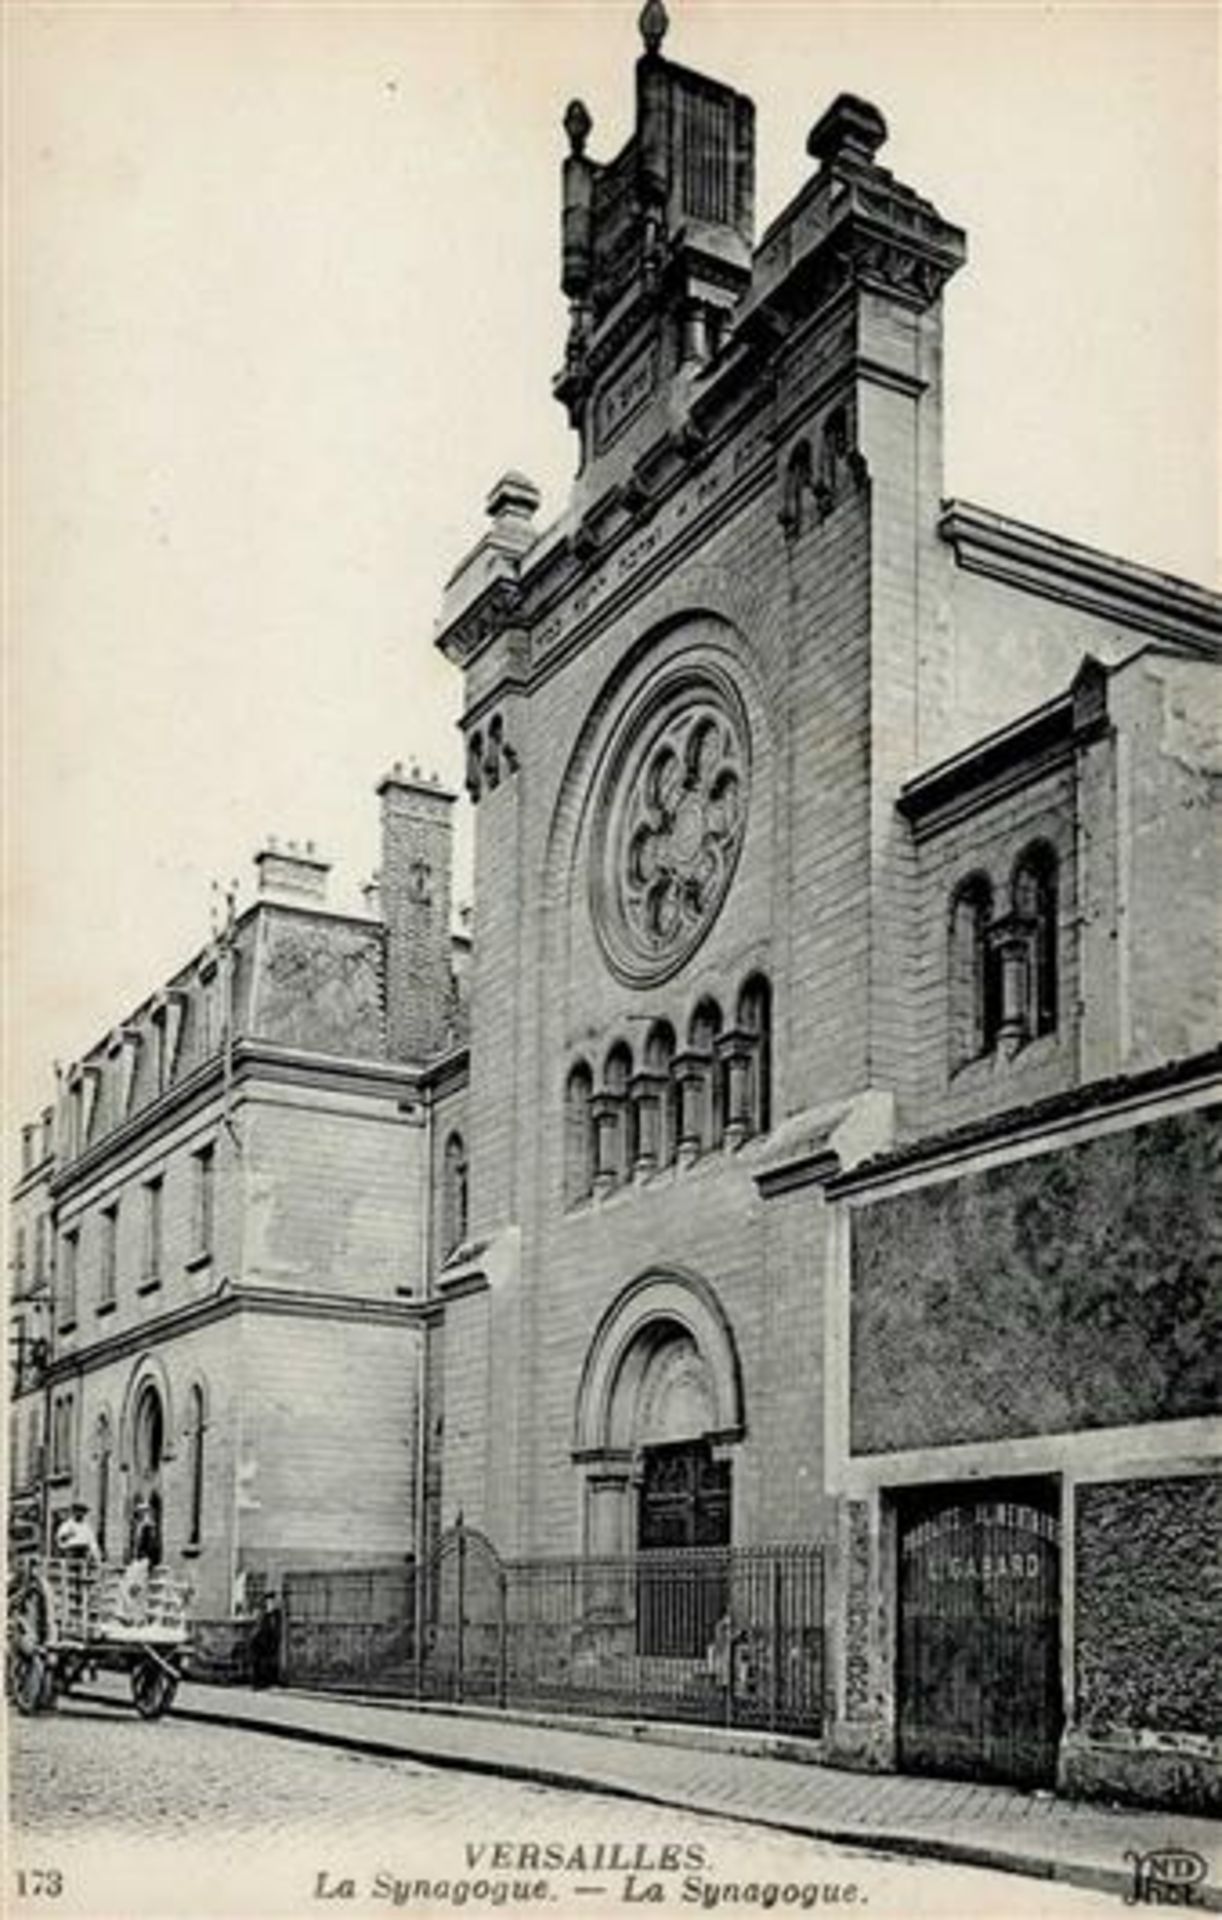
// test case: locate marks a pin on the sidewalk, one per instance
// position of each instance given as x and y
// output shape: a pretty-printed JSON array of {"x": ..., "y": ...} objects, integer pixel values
[{"x": 988, "y": 1826}]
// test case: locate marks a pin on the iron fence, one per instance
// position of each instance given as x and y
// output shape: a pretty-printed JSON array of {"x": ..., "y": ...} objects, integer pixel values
[
  {"x": 722, "y": 1635},
  {"x": 349, "y": 1626}
]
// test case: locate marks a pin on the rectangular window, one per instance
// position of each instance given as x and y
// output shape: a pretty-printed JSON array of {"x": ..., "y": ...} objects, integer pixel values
[
  {"x": 204, "y": 1202},
  {"x": 154, "y": 1195},
  {"x": 40, "y": 1250},
  {"x": 27, "y": 1149},
  {"x": 108, "y": 1283},
  {"x": 67, "y": 1279},
  {"x": 18, "y": 1287},
  {"x": 61, "y": 1437}
]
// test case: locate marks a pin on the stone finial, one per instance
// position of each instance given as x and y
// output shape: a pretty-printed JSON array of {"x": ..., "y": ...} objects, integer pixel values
[
  {"x": 578, "y": 126},
  {"x": 851, "y": 128},
  {"x": 515, "y": 495},
  {"x": 653, "y": 22}
]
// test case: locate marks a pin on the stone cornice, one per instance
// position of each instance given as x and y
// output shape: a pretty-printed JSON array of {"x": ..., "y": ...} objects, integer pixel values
[
  {"x": 447, "y": 1074},
  {"x": 1034, "y": 745},
  {"x": 1060, "y": 1112},
  {"x": 296, "y": 1303},
  {"x": 1043, "y": 563},
  {"x": 251, "y": 1059}
]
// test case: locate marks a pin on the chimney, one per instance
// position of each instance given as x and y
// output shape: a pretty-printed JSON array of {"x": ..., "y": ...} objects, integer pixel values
[
  {"x": 292, "y": 874},
  {"x": 417, "y": 830}
]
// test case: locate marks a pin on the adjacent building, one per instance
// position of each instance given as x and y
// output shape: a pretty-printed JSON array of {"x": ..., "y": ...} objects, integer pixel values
[{"x": 241, "y": 1184}]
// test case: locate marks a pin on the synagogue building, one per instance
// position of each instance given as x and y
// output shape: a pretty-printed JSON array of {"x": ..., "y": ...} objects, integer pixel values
[{"x": 843, "y": 1081}]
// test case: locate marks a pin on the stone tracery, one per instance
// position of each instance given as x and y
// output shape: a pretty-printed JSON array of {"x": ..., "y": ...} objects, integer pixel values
[{"x": 672, "y": 827}]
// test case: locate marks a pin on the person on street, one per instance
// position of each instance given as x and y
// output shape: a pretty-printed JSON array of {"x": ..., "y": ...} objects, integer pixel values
[
  {"x": 146, "y": 1534},
  {"x": 75, "y": 1537},
  {"x": 265, "y": 1644}
]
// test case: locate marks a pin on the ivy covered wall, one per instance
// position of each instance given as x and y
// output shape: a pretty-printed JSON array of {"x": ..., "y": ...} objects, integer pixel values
[
  {"x": 1078, "y": 1288},
  {"x": 1149, "y": 1599}
]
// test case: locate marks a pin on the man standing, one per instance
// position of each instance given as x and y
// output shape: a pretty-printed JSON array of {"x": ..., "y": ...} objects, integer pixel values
[
  {"x": 265, "y": 1644},
  {"x": 75, "y": 1537}
]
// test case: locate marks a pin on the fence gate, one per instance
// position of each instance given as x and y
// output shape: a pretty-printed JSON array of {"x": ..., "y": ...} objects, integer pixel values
[
  {"x": 979, "y": 1632},
  {"x": 463, "y": 1643}
]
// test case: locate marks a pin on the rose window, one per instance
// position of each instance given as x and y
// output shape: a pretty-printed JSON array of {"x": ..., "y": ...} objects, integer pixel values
[{"x": 671, "y": 833}]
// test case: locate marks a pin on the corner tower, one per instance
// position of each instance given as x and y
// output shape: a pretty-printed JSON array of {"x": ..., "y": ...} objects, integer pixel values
[{"x": 656, "y": 252}]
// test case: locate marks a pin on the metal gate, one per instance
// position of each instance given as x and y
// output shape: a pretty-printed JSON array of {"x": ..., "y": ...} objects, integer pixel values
[
  {"x": 725, "y": 1635},
  {"x": 979, "y": 1632}
]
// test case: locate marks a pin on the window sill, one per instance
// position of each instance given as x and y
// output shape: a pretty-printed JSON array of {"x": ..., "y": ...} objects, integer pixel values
[
  {"x": 149, "y": 1284},
  {"x": 192, "y": 1550},
  {"x": 997, "y": 1062},
  {"x": 104, "y": 1307},
  {"x": 60, "y": 1477},
  {"x": 201, "y": 1259}
]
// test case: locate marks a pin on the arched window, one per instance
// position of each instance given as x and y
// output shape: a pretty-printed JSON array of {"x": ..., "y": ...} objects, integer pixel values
[
  {"x": 195, "y": 1467},
  {"x": 453, "y": 1195},
  {"x": 148, "y": 1432},
  {"x": 755, "y": 1019},
  {"x": 617, "y": 1128},
  {"x": 475, "y": 765},
  {"x": 659, "y": 1062},
  {"x": 578, "y": 1134},
  {"x": 103, "y": 1448},
  {"x": 974, "y": 986},
  {"x": 708, "y": 1091},
  {"x": 799, "y": 479},
  {"x": 1034, "y": 898}
]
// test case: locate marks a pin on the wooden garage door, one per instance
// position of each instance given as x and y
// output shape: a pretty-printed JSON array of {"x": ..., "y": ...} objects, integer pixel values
[{"x": 979, "y": 1632}]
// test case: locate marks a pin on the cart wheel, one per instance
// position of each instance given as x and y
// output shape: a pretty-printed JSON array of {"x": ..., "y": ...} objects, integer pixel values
[
  {"x": 153, "y": 1689},
  {"x": 29, "y": 1671},
  {"x": 30, "y": 1680}
]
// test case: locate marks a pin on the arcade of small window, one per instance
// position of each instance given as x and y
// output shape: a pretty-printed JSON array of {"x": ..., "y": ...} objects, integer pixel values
[
  {"x": 671, "y": 1102},
  {"x": 1002, "y": 961}
]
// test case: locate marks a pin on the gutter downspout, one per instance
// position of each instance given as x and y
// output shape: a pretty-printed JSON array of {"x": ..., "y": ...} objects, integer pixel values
[{"x": 426, "y": 1292}]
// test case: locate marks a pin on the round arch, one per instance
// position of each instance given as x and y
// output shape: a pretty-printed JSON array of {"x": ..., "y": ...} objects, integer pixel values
[
  {"x": 659, "y": 1308},
  {"x": 148, "y": 1370}
]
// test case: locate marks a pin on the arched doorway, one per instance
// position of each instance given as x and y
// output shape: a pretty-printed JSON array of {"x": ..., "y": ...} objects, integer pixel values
[{"x": 659, "y": 1409}]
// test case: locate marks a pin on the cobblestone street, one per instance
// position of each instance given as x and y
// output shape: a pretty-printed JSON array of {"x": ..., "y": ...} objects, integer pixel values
[{"x": 178, "y": 1818}]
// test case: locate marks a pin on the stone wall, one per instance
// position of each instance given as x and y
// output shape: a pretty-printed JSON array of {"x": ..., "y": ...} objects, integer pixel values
[{"x": 1148, "y": 1597}]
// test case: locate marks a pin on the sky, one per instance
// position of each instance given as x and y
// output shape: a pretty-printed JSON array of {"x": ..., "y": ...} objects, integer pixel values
[{"x": 282, "y": 303}]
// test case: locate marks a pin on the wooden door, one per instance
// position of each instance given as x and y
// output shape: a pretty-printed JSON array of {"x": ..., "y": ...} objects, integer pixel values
[
  {"x": 684, "y": 1503},
  {"x": 979, "y": 1632}
]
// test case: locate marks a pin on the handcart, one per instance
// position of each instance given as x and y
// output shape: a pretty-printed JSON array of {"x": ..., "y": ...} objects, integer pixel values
[{"x": 68, "y": 1617}]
